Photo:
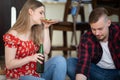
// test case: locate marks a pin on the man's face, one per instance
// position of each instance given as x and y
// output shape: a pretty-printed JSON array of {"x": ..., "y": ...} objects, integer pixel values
[{"x": 101, "y": 29}]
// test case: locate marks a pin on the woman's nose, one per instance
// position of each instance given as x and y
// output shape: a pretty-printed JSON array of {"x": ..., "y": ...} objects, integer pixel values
[{"x": 43, "y": 16}]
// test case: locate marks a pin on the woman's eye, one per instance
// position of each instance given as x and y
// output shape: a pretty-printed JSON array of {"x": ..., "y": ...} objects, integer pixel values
[{"x": 41, "y": 13}]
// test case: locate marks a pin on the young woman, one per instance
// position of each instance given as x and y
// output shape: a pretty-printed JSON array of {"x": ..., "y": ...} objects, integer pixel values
[{"x": 21, "y": 47}]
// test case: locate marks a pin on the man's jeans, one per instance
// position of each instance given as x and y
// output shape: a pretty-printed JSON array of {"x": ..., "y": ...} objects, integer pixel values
[
  {"x": 55, "y": 69},
  {"x": 96, "y": 73}
]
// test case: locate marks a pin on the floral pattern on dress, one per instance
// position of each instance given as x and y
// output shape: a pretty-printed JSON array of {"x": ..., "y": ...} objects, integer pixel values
[{"x": 24, "y": 49}]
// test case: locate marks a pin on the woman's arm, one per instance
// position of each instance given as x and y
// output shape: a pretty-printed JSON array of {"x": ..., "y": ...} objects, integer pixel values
[
  {"x": 11, "y": 62},
  {"x": 47, "y": 24},
  {"x": 46, "y": 42}
]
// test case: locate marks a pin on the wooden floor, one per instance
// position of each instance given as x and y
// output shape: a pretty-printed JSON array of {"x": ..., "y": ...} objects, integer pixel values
[
  {"x": 2, "y": 71},
  {"x": 2, "y": 77}
]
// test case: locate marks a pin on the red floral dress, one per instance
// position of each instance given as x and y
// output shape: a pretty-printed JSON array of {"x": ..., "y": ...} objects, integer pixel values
[{"x": 24, "y": 48}]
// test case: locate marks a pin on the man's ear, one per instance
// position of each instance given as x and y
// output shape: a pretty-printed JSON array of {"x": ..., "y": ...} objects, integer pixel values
[
  {"x": 109, "y": 22},
  {"x": 30, "y": 11}
]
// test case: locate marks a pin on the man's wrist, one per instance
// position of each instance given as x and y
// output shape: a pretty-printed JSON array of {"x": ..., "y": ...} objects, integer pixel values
[{"x": 81, "y": 77}]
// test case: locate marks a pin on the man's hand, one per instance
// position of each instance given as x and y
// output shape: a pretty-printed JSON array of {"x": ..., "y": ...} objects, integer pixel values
[{"x": 81, "y": 77}]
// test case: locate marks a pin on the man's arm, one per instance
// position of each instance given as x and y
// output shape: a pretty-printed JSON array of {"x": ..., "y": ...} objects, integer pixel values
[{"x": 84, "y": 58}]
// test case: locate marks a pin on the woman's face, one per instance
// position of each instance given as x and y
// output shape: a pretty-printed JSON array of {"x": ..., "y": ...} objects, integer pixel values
[{"x": 37, "y": 14}]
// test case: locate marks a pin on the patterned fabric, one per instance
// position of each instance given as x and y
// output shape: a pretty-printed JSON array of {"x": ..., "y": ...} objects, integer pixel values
[
  {"x": 24, "y": 48},
  {"x": 90, "y": 50}
]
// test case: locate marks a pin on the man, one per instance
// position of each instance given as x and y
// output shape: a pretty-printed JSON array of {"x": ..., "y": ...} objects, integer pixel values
[{"x": 98, "y": 51}]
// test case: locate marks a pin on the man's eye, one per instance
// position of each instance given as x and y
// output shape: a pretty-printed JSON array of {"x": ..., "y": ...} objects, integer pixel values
[
  {"x": 100, "y": 29},
  {"x": 93, "y": 29}
]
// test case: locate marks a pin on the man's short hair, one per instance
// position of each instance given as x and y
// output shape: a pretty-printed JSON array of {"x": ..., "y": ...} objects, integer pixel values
[{"x": 97, "y": 13}]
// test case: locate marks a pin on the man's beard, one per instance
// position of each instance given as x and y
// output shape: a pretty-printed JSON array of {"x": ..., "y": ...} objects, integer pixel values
[{"x": 101, "y": 39}]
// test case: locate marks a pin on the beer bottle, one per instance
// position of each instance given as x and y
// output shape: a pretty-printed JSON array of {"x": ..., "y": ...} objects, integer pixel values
[{"x": 40, "y": 67}]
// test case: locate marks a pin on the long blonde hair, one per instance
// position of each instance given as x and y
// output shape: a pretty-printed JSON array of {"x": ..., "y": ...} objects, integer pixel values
[
  {"x": 37, "y": 34},
  {"x": 23, "y": 21}
]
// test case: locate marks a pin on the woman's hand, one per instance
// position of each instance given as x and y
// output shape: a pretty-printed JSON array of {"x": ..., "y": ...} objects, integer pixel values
[
  {"x": 48, "y": 22},
  {"x": 37, "y": 57}
]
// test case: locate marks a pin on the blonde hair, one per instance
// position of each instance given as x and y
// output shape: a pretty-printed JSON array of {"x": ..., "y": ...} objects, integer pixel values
[
  {"x": 37, "y": 33},
  {"x": 23, "y": 21},
  {"x": 97, "y": 13}
]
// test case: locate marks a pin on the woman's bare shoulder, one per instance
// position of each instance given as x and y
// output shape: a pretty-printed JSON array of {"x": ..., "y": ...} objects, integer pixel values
[{"x": 13, "y": 32}]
